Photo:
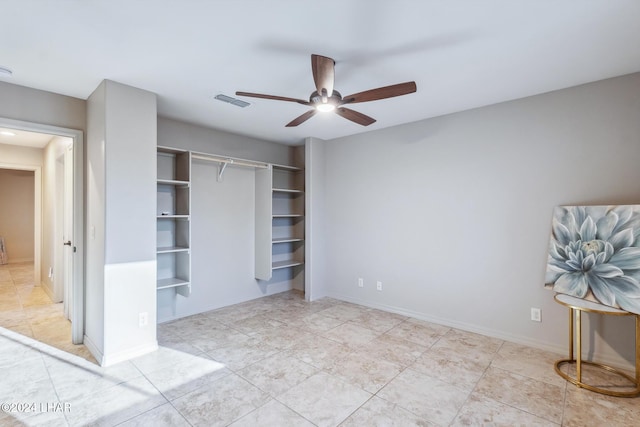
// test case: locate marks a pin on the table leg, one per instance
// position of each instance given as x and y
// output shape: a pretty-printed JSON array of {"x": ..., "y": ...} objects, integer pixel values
[
  {"x": 637, "y": 352},
  {"x": 571, "y": 313},
  {"x": 579, "y": 346}
]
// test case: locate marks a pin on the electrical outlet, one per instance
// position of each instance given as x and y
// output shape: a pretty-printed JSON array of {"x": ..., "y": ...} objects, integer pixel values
[
  {"x": 379, "y": 285},
  {"x": 143, "y": 319},
  {"x": 360, "y": 282},
  {"x": 535, "y": 314}
]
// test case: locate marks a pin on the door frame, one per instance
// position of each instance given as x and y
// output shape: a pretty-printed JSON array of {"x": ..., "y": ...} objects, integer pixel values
[{"x": 77, "y": 136}]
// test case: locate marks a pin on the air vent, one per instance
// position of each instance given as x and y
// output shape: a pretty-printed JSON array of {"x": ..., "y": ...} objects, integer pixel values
[{"x": 230, "y": 100}]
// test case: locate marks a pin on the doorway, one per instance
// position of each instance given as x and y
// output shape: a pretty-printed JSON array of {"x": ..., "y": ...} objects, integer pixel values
[{"x": 58, "y": 217}]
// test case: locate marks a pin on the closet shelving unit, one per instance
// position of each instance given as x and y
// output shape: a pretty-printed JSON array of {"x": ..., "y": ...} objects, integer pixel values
[
  {"x": 279, "y": 216},
  {"x": 173, "y": 251},
  {"x": 279, "y": 219}
]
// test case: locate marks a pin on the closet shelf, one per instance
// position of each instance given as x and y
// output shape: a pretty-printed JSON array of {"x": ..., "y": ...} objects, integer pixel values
[
  {"x": 287, "y": 190},
  {"x": 173, "y": 216},
  {"x": 288, "y": 215},
  {"x": 287, "y": 168},
  {"x": 285, "y": 264},
  {"x": 177, "y": 183},
  {"x": 287, "y": 240},
  {"x": 171, "y": 282},
  {"x": 170, "y": 249}
]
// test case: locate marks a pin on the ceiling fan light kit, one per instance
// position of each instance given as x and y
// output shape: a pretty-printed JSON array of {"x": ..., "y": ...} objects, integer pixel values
[{"x": 326, "y": 99}]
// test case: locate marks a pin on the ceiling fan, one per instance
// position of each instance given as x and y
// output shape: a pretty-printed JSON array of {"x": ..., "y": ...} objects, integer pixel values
[{"x": 326, "y": 99}]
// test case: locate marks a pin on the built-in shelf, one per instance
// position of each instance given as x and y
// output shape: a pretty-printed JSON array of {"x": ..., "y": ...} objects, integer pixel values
[
  {"x": 280, "y": 209},
  {"x": 285, "y": 264},
  {"x": 171, "y": 282},
  {"x": 287, "y": 240},
  {"x": 175, "y": 182},
  {"x": 287, "y": 190},
  {"x": 170, "y": 249},
  {"x": 173, "y": 254}
]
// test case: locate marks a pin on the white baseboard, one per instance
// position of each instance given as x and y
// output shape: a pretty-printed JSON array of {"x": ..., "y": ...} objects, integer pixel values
[
  {"x": 112, "y": 359},
  {"x": 607, "y": 359},
  {"x": 19, "y": 260},
  {"x": 93, "y": 349}
]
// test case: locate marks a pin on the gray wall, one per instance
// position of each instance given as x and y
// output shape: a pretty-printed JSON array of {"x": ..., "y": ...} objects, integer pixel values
[
  {"x": 37, "y": 106},
  {"x": 222, "y": 221},
  {"x": 453, "y": 214},
  {"x": 121, "y": 266},
  {"x": 177, "y": 134}
]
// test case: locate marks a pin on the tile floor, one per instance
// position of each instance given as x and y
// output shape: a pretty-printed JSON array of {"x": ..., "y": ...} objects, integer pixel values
[{"x": 281, "y": 361}]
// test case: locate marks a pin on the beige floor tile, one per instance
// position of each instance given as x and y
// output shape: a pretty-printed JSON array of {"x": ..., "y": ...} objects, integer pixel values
[
  {"x": 186, "y": 376},
  {"x": 273, "y": 413},
  {"x": 220, "y": 403},
  {"x": 74, "y": 377},
  {"x": 171, "y": 340},
  {"x": 10, "y": 303},
  {"x": 472, "y": 346},
  {"x": 238, "y": 356},
  {"x": 278, "y": 373},
  {"x": 318, "y": 351},
  {"x": 451, "y": 367},
  {"x": 535, "y": 397},
  {"x": 318, "y": 323},
  {"x": 481, "y": 411},
  {"x": 393, "y": 349},
  {"x": 162, "y": 416},
  {"x": 351, "y": 334},
  {"x": 343, "y": 311},
  {"x": 418, "y": 331},
  {"x": 33, "y": 295},
  {"x": 378, "y": 320},
  {"x": 115, "y": 404},
  {"x": 42, "y": 418},
  {"x": 380, "y": 413},
  {"x": 529, "y": 362},
  {"x": 427, "y": 397},
  {"x": 164, "y": 358},
  {"x": 366, "y": 371},
  {"x": 283, "y": 337},
  {"x": 324, "y": 399},
  {"x": 207, "y": 340},
  {"x": 584, "y": 408},
  {"x": 25, "y": 382},
  {"x": 16, "y": 349},
  {"x": 255, "y": 324}
]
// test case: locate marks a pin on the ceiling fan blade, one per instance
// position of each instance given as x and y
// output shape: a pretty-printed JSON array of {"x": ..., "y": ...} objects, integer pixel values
[
  {"x": 381, "y": 93},
  {"x": 302, "y": 118},
  {"x": 355, "y": 116},
  {"x": 274, "y": 97},
  {"x": 323, "y": 69}
]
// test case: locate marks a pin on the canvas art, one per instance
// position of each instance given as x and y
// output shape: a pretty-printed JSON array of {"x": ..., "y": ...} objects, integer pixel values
[{"x": 594, "y": 253}]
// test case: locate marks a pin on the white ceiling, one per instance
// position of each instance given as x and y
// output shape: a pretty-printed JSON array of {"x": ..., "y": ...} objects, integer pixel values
[
  {"x": 462, "y": 54},
  {"x": 24, "y": 138}
]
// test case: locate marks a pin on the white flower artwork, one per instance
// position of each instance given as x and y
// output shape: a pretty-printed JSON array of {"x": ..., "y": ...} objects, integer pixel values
[{"x": 594, "y": 253}]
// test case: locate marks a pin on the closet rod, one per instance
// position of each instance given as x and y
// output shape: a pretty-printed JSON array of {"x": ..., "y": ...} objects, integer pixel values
[{"x": 230, "y": 160}]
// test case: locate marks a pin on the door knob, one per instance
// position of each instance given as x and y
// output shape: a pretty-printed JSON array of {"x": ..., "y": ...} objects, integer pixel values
[{"x": 67, "y": 243}]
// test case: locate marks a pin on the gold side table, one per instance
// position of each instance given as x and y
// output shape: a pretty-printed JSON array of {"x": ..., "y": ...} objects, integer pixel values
[{"x": 576, "y": 307}]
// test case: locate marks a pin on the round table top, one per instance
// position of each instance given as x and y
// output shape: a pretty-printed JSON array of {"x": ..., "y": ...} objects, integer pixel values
[{"x": 586, "y": 305}]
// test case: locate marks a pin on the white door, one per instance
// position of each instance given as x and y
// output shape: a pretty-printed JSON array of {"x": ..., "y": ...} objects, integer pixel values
[{"x": 67, "y": 232}]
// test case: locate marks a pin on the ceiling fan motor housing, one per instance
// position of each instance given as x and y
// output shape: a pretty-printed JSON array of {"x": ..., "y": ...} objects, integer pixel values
[{"x": 334, "y": 99}]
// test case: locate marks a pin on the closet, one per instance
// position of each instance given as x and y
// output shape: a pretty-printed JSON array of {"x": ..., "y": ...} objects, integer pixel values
[{"x": 203, "y": 199}]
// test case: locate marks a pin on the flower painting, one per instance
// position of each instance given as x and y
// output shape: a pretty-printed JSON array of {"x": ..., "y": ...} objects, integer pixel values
[{"x": 594, "y": 253}]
